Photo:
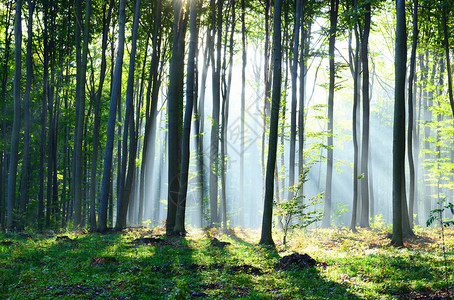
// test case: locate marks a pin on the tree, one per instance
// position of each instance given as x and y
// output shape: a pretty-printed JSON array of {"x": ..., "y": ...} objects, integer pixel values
[
  {"x": 399, "y": 123},
  {"x": 26, "y": 154},
  {"x": 411, "y": 111},
  {"x": 266, "y": 237},
  {"x": 116, "y": 89},
  {"x": 216, "y": 79},
  {"x": 185, "y": 151},
  {"x": 294, "y": 98},
  {"x": 173, "y": 108},
  {"x": 14, "y": 154},
  {"x": 364, "y": 218},
  {"x": 129, "y": 131},
  {"x": 329, "y": 171},
  {"x": 94, "y": 172},
  {"x": 80, "y": 108}
]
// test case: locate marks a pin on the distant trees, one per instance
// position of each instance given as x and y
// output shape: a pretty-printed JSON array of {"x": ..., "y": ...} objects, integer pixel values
[{"x": 55, "y": 122}]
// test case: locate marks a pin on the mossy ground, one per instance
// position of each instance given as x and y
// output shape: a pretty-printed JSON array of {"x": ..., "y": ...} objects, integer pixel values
[{"x": 110, "y": 266}]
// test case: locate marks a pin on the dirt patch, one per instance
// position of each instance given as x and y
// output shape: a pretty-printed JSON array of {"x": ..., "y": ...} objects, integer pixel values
[
  {"x": 246, "y": 269},
  {"x": 218, "y": 244},
  {"x": 430, "y": 295},
  {"x": 148, "y": 241},
  {"x": 296, "y": 261},
  {"x": 99, "y": 261}
]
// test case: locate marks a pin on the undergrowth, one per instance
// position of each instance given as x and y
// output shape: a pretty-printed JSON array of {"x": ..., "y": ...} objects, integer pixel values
[{"x": 212, "y": 265}]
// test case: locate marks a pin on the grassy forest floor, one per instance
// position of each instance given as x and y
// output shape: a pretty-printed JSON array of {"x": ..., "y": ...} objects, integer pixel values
[{"x": 140, "y": 263}]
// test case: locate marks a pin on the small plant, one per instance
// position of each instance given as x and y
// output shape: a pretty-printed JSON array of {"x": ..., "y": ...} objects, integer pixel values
[
  {"x": 437, "y": 214},
  {"x": 296, "y": 209}
]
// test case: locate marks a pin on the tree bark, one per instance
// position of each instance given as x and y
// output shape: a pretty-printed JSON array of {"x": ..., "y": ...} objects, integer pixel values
[
  {"x": 14, "y": 154},
  {"x": 127, "y": 169},
  {"x": 266, "y": 236},
  {"x": 179, "y": 228},
  {"x": 364, "y": 218},
  {"x": 294, "y": 98},
  {"x": 116, "y": 90},
  {"x": 173, "y": 108},
  {"x": 24, "y": 198},
  {"x": 399, "y": 123},
  {"x": 326, "y": 222},
  {"x": 411, "y": 111}
]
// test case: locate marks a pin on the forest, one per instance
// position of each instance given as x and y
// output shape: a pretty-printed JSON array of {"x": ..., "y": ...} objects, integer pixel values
[{"x": 256, "y": 149}]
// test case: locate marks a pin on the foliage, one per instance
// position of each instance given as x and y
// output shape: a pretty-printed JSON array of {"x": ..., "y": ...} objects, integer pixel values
[
  {"x": 294, "y": 212},
  {"x": 42, "y": 266}
]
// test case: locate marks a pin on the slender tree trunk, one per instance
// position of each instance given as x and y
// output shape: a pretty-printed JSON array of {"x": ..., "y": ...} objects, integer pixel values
[
  {"x": 243, "y": 106},
  {"x": 411, "y": 111},
  {"x": 116, "y": 89},
  {"x": 179, "y": 228},
  {"x": 399, "y": 123},
  {"x": 24, "y": 198},
  {"x": 129, "y": 131},
  {"x": 80, "y": 109},
  {"x": 94, "y": 173},
  {"x": 355, "y": 71},
  {"x": 174, "y": 117},
  {"x": 294, "y": 98},
  {"x": 448, "y": 60},
  {"x": 364, "y": 218},
  {"x": 214, "y": 151},
  {"x": 4, "y": 154},
  {"x": 266, "y": 237},
  {"x": 326, "y": 222},
  {"x": 17, "y": 114}
]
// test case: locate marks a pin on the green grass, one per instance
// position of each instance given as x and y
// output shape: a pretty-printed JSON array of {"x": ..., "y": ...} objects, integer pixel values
[{"x": 351, "y": 266}]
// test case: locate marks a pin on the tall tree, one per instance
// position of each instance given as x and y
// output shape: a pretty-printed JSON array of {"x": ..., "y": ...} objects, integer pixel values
[
  {"x": 266, "y": 237},
  {"x": 26, "y": 154},
  {"x": 448, "y": 59},
  {"x": 129, "y": 131},
  {"x": 216, "y": 88},
  {"x": 185, "y": 151},
  {"x": 116, "y": 91},
  {"x": 243, "y": 104},
  {"x": 294, "y": 98},
  {"x": 14, "y": 154},
  {"x": 399, "y": 123},
  {"x": 173, "y": 108},
  {"x": 364, "y": 218},
  {"x": 80, "y": 108},
  {"x": 334, "y": 7},
  {"x": 411, "y": 111},
  {"x": 107, "y": 15}
]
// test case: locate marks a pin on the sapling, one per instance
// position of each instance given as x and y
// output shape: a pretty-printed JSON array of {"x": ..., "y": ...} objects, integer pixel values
[
  {"x": 437, "y": 214},
  {"x": 296, "y": 209}
]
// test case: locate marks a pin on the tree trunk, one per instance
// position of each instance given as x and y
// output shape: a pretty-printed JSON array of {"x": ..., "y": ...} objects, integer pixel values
[
  {"x": 243, "y": 106},
  {"x": 179, "y": 228},
  {"x": 80, "y": 108},
  {"x": 128, "y": 131},
  {"x": 214, "y": 149},
  {"x": 266, "y": 237},
  {"x": 355, "y": 66},
  {"x": 294, "y": 99},
  {"x": 411, "y": 111},
  {"x": 364, "y": 218},
  {"x": 329, "y": 170},
  {"x": 26, "y": 154},
  {"x": 173, "y": 108},
  {"x": 116, "y": 89},
  {"x": 448, "y": 60},
  {"x": 17, "y": 114},
  {"x": 399, "y": 123},
  {"x": 94, "y": 163}
]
